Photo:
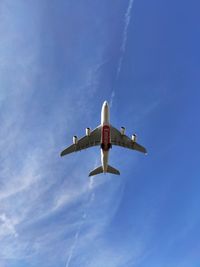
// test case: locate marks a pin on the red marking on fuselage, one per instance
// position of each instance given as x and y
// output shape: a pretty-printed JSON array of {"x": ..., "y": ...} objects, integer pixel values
[{"x": 105, "y": 137}]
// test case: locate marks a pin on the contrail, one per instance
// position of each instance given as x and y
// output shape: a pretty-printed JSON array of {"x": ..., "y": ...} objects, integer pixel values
[
  {"x": 127, "y": 19},
  {"x": 84, "y": 216},
  {"x": 112, "y": 98},
  {"x": 125, "y": 34},
  {"x": 76, "y": 236}
]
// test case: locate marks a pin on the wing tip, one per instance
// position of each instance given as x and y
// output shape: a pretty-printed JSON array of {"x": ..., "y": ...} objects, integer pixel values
[{"x": 62, "y": 154}]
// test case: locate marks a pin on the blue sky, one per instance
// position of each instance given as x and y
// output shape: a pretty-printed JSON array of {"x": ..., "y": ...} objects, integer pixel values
[{"x": 59, "y": 60}]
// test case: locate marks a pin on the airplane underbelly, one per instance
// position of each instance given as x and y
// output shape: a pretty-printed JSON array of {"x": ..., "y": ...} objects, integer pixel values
[
  {"x": 104, "y": 159},
  {"x": 105, "y": 138}
]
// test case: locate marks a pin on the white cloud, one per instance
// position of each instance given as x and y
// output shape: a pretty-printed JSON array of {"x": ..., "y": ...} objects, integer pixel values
[{"x": 7, "y": 226}]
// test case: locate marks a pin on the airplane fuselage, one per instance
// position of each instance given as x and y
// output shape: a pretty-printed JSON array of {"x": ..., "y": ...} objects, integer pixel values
[{"x": 105, "y": 135}]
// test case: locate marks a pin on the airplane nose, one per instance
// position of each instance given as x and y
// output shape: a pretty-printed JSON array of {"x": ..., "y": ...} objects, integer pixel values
[{"x": 105, "y": 103}]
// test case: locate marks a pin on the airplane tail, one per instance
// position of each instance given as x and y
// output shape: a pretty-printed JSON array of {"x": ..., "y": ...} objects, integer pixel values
[{"x": 99, "y": 170}]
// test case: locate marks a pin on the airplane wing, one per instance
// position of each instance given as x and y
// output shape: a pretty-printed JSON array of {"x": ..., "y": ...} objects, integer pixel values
[
  {"x": 94, "y": 139},
  {"x": 123, "y": 140}
]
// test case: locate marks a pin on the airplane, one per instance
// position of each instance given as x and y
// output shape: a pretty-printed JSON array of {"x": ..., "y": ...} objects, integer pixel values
[{"x": 105, "y": 135}]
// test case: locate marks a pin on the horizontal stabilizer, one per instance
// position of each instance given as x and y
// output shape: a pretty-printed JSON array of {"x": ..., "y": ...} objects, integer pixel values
[
  {"x": 100, "y": 170},
  {"x": 96, "y": 171},
  {"x": 112, "y": 170}
]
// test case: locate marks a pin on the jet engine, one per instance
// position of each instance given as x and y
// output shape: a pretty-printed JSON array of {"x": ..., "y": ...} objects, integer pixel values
[
  {"x": 75, "y": 140},
  {"x": 134, "y": 137},
  {"x": 122, "y": 130},
  {"x": 88, "y": 131}
]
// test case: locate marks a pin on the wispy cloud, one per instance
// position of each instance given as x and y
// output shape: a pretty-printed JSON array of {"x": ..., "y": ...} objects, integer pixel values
[
  {"x": 7, "y": 226},
  {"x": 39, "y": 189},
  {"x": 49, "y": 208}
]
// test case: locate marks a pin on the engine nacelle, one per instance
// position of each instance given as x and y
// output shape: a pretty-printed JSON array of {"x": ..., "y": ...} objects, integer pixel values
[
  {"x": 122, "y": 130},
  {"x": 134, "y": 137},
  {"x": 88, "y": 131},
  {"x": 75, "y": 140}
]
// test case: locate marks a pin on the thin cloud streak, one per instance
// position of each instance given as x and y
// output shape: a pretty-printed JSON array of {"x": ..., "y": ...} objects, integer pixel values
[
  {"x": 127, "y": 19},
  {"x": 112, "y": 98},
  {"x": 76, "y": 236},
  {"x": 84, "y": 216}
]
